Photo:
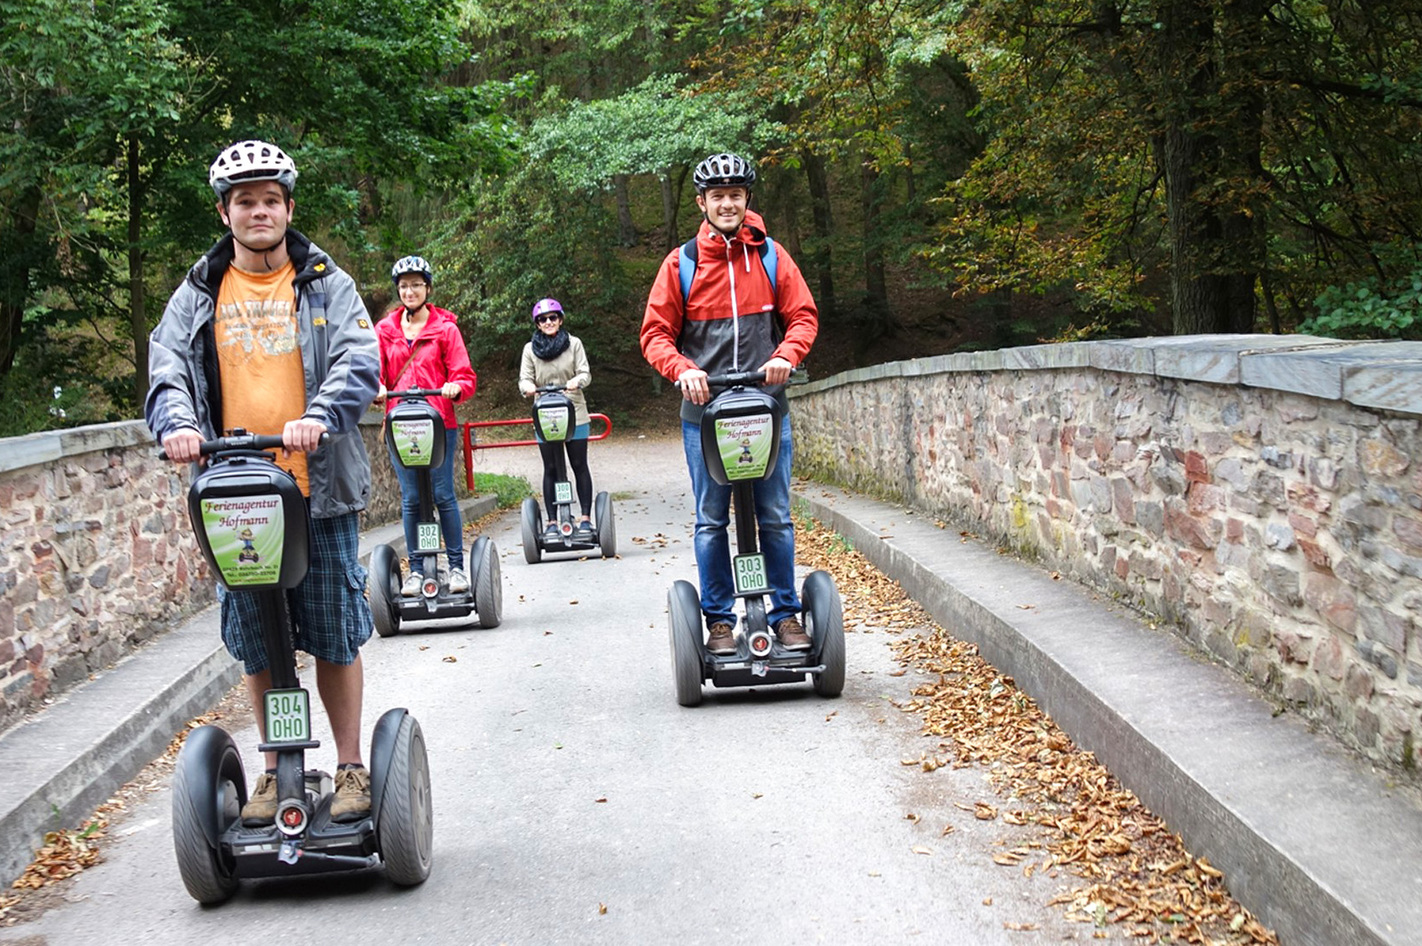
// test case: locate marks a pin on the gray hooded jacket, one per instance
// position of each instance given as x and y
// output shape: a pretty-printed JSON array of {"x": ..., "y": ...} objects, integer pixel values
[{"x": 339, "y": 356}]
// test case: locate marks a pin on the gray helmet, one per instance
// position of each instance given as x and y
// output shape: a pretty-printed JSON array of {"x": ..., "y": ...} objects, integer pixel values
[
  {"x": 251, "y": 161},
  {"x": 723, "y": 170},
  {"x": 412, "y": 264}
]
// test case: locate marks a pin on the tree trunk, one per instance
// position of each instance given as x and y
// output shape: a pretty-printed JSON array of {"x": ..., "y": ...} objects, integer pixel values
[
  {"x": 17, "y": 232},
  {"x": 1215, "y": 245},
  {"x": 820, "y": 255},
  {"x": 671, "y": 207},
  {"x": 875, "y": 285},
  {"x": 626, "y": 229},
  {"x": 137, "y": 300}
]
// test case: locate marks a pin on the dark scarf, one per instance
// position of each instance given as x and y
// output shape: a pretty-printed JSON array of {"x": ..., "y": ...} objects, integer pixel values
[{"x": 548, "y": 347}]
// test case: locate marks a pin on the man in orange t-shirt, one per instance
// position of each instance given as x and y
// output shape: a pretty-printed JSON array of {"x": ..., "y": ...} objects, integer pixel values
[{"x": 266, "y": 333}]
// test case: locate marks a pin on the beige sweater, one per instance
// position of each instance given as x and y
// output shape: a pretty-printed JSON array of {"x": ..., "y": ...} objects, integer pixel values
[{"x": 572, "y": 365}]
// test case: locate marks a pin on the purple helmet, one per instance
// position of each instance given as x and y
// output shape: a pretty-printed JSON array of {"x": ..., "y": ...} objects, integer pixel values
[{"x": 544, "y": 306}]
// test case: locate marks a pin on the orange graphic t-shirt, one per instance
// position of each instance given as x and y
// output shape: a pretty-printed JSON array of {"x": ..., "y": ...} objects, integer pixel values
[{"x": 263, "y": 382}]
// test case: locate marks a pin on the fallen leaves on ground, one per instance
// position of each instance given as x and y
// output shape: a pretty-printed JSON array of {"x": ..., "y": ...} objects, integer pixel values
[
  {"x": 1132, "y": 870},
  {"x": 69, "y": 852}
]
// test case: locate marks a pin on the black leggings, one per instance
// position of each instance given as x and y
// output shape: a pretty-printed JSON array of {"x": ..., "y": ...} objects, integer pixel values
[{"x": 578, "y": 460}]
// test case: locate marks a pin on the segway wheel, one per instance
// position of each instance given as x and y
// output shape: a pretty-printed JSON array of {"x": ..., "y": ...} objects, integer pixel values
[
  {"x": 383, "y": 586},
  {"x": 684, "y": 616},
  {"x": 404, "y": 831},
  {"x": 824, "y": 621},
  {"x": 488, "y": 583},
  {"x": 606, "y": 526},
  {"x": 209, "y": 790},
  {"x": 532, "y": 520}
]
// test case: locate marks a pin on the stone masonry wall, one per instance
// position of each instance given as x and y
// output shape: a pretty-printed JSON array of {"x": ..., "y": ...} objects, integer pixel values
[
  {"x": 1260, "y": 494},
  {"x": 97, "y": 555}
]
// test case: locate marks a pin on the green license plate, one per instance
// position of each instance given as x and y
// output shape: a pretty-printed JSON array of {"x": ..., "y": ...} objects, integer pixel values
[
  {"x": 749, "y": 573},
  {"x": 288, "y": 714},
  {"x": 563, "y": 492},
  {"x": 427, "y": 537}
]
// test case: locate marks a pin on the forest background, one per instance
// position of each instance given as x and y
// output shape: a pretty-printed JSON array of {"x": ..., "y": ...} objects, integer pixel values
[{"x": 949, "y": 175}]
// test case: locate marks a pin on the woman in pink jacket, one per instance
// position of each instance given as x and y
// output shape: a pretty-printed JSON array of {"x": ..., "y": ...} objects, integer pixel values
[{"x": 420, "y": 347}]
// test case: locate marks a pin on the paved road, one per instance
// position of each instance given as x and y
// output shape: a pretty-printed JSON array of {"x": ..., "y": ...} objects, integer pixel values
[{"x": 568, "y": 780}]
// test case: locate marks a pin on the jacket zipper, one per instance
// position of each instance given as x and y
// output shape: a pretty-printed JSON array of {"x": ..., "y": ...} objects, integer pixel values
[{"x": 735, "y": 309}]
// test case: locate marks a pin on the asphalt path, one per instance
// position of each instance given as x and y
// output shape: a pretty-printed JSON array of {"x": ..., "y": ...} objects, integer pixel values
[{"x": 576, "y": 802}]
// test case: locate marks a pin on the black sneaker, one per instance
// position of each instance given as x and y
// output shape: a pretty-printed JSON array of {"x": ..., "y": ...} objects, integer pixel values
[{"x": 584, "y": 528}]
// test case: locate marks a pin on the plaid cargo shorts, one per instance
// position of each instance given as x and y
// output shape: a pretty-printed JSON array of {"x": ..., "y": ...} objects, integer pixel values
[{"x": 329, "y": 610}]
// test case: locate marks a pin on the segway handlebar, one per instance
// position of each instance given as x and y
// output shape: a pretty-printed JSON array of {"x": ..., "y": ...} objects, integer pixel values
[
  {"x": 416, "y": 392},
  {"x": 241, "y": 440},
  {"x": 741, "y": 378}
]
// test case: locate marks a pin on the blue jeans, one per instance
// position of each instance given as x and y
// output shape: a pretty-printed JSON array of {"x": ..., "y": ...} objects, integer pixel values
[
  {"x": 450, "y": 524},
  {"x": 712, "y": 540}
]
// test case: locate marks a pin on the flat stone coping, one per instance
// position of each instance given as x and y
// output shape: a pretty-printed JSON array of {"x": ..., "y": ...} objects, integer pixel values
[
  {"x": 1311, "y": 838},
  {"x": 1382, "y": 375}
]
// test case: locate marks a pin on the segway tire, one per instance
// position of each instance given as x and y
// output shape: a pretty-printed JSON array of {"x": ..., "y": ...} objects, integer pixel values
[
  {"x": 404, "y": 831},
  {"x": 209, "y": 790},
  {"x": 606, "y": 525},
  {"x": 532, "y": 520},
  {"x": 824, "y": 620},
  {"x": 488, "y": 583},
  {"x": 383, "y": 586},
  {"x": 684, "y": 621}
]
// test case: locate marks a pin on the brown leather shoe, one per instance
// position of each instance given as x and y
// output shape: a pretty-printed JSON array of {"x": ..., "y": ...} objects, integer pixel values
[
  {"x": 792, "y": 635},
  {"x": 722, "y": 640},
  {"x": 352, "y": 798},
  {"x": 262, "y": 804}
]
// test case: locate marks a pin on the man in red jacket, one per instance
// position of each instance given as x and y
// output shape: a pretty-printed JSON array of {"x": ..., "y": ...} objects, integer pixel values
[{"x": 733, "y": 319}]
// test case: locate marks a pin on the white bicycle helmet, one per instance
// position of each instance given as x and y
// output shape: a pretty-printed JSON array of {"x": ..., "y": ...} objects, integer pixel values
[
  {"x": 251, "y": 161},
  {"x": 412, "y": 264},
  {"x": 723, "y": 170}
]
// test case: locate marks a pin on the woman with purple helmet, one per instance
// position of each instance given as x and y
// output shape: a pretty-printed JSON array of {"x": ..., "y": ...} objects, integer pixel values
[{"x": 553, "y": 356}]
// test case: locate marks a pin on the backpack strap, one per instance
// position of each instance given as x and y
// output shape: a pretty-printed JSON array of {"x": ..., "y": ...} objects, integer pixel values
[{"x": 686, "y": 265}]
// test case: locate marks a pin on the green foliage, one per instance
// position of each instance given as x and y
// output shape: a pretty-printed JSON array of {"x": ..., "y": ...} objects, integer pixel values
[
  {"x": 510, "y": 491},
  {"x": 515, "y": 239},
  {"x": 647, "y": 130},
  {"x": 1370, "y": 309}
]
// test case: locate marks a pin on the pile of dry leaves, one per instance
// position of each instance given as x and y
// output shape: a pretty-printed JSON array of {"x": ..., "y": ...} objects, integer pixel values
[{"x": 1135, "y": 873}]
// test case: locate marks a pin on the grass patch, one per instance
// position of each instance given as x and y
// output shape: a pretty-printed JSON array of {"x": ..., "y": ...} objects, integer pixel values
[{"x": 509, "y": 490}]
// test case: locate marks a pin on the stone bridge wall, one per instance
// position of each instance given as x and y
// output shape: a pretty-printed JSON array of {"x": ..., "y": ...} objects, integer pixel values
[
  {"x": 1262, "y": 495},
  {"x": 96, "y": 554}
]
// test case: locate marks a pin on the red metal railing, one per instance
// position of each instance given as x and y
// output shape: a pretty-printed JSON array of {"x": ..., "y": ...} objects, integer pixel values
[{"x": 471, "y": 441}]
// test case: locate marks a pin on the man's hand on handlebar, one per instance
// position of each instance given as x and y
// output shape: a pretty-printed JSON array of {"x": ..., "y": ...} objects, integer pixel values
[
  {"x": 183, "y": 446},
  {"x": 450, "y": 390},
  {"x": 777, "y": 371},
  {"x": 380, "y": 395},
  {"x": 693, "y": 386},
  {"x": 302, "y": 435}
]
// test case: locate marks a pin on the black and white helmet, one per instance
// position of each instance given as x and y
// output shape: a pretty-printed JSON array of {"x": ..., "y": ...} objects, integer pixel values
[
  {"x": 723, "y": 170},
  {"x": 412, "y": 264},
  {"x": 251, "y": 161}
]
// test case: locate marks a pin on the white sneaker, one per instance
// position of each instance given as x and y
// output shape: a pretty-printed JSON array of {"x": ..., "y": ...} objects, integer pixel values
[
  {"x": 411, "y": 587},
  {"x": 458, "y": 581}
]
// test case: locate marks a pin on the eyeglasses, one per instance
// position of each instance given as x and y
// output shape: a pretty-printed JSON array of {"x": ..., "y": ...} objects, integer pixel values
[{"x": 540, "y": 319}]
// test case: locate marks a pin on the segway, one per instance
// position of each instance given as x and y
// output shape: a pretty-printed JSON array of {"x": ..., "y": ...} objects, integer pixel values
[
  {"x": 414, "y": 430},
  {"x": 554, "y": 417},
  {"x": 251, "y": 524},
  {"x": 740, "y": 441}
]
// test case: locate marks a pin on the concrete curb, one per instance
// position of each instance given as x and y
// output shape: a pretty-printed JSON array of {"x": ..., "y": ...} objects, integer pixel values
[
  {"x": 1311, "y": 839},
  {"x": 65, "y": 761}
]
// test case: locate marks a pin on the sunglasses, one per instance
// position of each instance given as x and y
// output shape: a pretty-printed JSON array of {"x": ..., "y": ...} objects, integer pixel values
[{"x": 540, "y": 319}]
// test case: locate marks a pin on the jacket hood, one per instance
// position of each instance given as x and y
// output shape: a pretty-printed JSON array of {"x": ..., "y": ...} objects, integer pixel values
[
  {"x": 751, "y": 233},
  {"x": 390, "y": 325},
  {"x": 309, "y": 260}
]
